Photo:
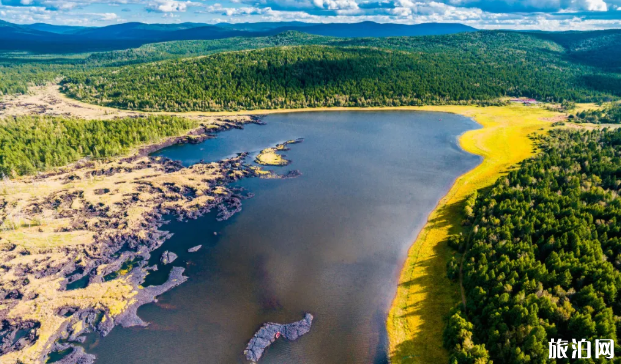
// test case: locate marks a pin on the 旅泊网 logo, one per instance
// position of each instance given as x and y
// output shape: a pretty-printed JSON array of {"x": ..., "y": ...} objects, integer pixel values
[{"x": 563, "y": 349}]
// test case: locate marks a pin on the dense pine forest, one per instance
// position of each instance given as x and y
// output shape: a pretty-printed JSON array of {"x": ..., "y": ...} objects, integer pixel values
[
  {"x": 17, "y": 77},
  {"x": 19, "y": 70},
  {"x": 33, "y": 143},
  {"x": 550, "y": 66},
  {"x": 310, "y": 76},
  {"x": 543, "y": 258},
  {"x": 192, "y": 48},
  {"x": 601, "y": 51},
  {"x": 462, "y": 68}
]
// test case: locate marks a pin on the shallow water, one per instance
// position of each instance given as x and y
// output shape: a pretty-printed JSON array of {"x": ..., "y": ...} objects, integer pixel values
[{"x": 330, "y": 242}]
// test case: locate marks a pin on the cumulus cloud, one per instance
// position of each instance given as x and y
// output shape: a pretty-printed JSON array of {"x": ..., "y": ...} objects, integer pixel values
[
  {"x": 592, "y": 5},
  {"x": 62, "y": 5},
  {"x": 170, "y": 6},
  {"x": 280, "y": 5},
  {"x": 377, "y": 5},
  {"x": 233, "y": 12},
  {"x": 420, "y": 11},
  {"x": 336, "y": 4},
  {"x": 508, "y": 6},
  {"x": 46, "y": 4},
  {"x": 108, "y": 16},
  {"x": 492, "y": 14},
  {"x": 33, "y": 14}
]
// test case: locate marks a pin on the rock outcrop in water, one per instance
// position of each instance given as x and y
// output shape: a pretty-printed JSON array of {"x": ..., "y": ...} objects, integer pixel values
[
  {"x": 269, "y": 332},
  {"x": 168, "y": 257},
  {"x": 194, "y": 249}
]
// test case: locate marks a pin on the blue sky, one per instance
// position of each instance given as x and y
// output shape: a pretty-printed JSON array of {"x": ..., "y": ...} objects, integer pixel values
[{"x": 487, "y": 14}]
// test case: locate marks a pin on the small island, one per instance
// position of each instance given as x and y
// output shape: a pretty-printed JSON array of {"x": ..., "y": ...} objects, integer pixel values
[
  {"x": 270, "y": 156},
  {"x": 270, "y": 332}
]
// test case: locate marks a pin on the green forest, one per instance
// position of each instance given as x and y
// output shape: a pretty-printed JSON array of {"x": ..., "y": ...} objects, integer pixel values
[
  {"x": 610, "y": 114},
  {"x": 547, "y": 66},
  {"x": 463, "y": 68},
  {"x": 193, "y": 48},
  {"x": 20, "y": 70},
  {"x": 35, "y": 143},
  {"x": 543, "y": 256}
]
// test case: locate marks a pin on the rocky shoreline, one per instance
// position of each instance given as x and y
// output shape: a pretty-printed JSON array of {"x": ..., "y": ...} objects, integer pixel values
[
  {"x": 74, "y": 261},
  {"x": 128, "y": 318}
]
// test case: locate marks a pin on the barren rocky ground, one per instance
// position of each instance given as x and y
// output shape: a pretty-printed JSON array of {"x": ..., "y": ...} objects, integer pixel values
[{"x": 75, "y": 242}]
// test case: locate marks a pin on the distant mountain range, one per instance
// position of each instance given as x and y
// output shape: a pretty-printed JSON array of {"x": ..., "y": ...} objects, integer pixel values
[
  {"x": 41, "y": 37},
  {"x": 354, "y": 30}
]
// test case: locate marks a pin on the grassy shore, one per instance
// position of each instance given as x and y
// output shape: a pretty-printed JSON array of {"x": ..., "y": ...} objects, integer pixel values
[{"x": 425, "y": 295}]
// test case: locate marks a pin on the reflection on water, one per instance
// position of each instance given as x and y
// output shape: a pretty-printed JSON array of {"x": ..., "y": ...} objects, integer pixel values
[{"x": 330, "y": 242}]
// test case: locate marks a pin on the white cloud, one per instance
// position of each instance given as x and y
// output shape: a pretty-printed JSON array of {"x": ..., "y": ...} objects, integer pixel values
[
  {"x": 594, "y": 5},
  {"x": 531, "y": 6},
  {"x": 488, "y": 14},
  {"x": 171, "y": 6},
  {"x": 63, "y": 4},
  {"x": 419, "y": 12},
  {"x": 584, "y": 5},
  {"x": 411, "y": 12},
  {"x": 234, "y": 12},
  {"x": 31, "y": 14},
  {"x": 109, "y": 16},
  {"x": 336, "y": 4}
]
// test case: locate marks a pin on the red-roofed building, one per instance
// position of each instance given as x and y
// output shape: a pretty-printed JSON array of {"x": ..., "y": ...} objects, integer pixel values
[{"x": 525, "y": 101}]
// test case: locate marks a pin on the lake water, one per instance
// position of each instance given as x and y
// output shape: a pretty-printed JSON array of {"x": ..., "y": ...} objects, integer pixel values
[{"x": 330, "y": 242}]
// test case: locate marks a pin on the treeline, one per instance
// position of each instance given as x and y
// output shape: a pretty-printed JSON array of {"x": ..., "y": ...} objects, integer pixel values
[
  {"x": 35, "y": 143},
  {"x": 543, "y": 256},
  {"x": 610, "y": 114},
  {"x": 539, "y": 65},
  {"x": 316, "y": 76},
  {"x": 192, "y": 48},
  {"x": 19, "y": 71}
]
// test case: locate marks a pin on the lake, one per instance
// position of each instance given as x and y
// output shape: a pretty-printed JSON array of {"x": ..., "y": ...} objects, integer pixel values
[{"x": 330, "y": 242}]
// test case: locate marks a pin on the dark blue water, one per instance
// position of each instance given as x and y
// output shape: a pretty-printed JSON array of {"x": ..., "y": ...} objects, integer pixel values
[{"x": 330, "y": 242}]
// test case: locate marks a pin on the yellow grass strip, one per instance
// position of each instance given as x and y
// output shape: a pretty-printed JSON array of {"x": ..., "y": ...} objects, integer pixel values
[{"x": 425, "y": 295}]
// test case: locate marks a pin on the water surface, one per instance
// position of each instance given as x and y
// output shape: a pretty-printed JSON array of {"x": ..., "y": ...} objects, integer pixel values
[{"x": 330, "y": 242}]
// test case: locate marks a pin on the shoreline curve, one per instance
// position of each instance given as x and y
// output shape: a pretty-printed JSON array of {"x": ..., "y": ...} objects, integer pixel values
[{"x": 424, "y": 294}]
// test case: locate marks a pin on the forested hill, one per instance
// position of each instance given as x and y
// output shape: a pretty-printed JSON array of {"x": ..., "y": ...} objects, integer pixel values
[
  {"x": 20, "y": 70},
  {"x": 193, "y": 48},
  {"x": 461, "y": 68},
  {"x": 596, "y": 48},
  {"x": 543, "y": 258}
]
